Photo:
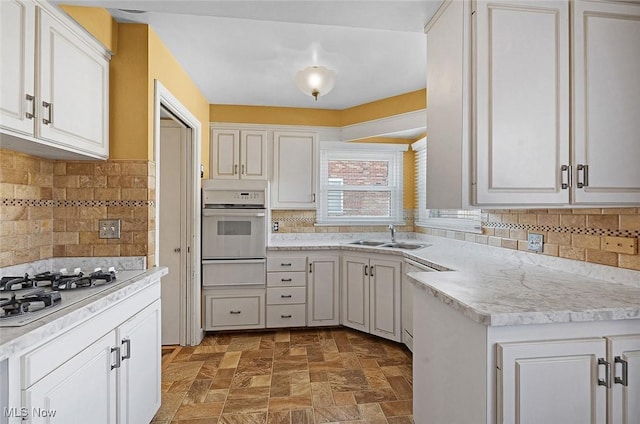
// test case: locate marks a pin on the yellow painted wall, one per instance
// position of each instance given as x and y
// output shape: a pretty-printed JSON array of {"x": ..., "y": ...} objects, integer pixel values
[
  {"x": 382, "y": 108},
  {"x": 96, "y": 21},
  {"x": 165, "y": 68}
]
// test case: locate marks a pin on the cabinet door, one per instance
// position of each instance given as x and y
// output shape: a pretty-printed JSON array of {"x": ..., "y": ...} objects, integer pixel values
[
  {"x": 624, "y": 401},
  {"x": 355, "y": 293},
  {"x": 606, "y": 82},
  {"x": 17, "y": 43},
  {"x": 551, "y": 382},
  {"x": 82, "y": 390},
  {"x": 522, "y": 101},
  {"x": 140, "y": 372},
  {"x": 407, "y": 312},
  {"x": 385, "y": 301},
  {"x": 225, "y": 154},
  {"x": 323, "y": 285},
  {"x": 253, "y": 155},
  {"x": 74, "y": 90},
  {"x": 294, "y": 173}
]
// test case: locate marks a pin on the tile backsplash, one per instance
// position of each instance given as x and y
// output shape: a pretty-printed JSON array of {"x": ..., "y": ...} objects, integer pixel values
[
  {"x": 51, "y": 208},
  {"x": 577, "y": 234}
]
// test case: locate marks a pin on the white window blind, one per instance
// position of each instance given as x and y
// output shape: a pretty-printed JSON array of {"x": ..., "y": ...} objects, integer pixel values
[
  {"x": 360, "y": 184},
  {"x": 420, "y": 149}
]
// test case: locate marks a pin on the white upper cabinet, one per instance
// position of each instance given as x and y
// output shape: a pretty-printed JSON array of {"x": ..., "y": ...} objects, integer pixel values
[
  {"x": 294, "y": 170},
  {"x": 522, "y": 101},
  {"x": 238, "y": 154},
  {"x": 17, "y": 44},
  {"x": 538, "y": 106},
  {"x": 57, "y": 82},
  {"x": 606, "y": 102}
]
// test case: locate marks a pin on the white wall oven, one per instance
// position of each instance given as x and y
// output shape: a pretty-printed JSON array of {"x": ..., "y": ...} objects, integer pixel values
[{"x": 234, "y": 233}]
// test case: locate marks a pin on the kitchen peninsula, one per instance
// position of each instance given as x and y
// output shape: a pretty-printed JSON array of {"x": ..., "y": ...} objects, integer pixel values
[{"x": 502, "y": 332}]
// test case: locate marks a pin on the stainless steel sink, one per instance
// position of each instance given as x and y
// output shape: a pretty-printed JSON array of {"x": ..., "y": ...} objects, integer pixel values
[
  {"x": 406, "y": 246},
  {"x": 368, "y": 243}
]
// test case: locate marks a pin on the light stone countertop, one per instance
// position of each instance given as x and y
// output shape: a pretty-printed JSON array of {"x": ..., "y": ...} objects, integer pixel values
[
  {"x": 499, "y": 287},
  {"x": 14, "y": 340}
]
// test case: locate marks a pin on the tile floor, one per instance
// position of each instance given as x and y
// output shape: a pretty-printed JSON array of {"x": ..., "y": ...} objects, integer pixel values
[{"x": 306, "y": 376}]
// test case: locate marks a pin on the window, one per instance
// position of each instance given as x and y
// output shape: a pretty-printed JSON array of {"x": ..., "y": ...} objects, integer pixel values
[
  {"x": 360, "y": 184},
  {"x": 450, "y": 219}
]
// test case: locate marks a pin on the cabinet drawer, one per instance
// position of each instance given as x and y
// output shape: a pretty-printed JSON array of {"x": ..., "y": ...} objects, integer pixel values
[
  {"x": 287, "y": 264},
  {"x": 286, "y": 279},
  {"x": 286, "y": 295},
  {"x": 286, "y": 316},
  {"x": 234, "y": 311}
]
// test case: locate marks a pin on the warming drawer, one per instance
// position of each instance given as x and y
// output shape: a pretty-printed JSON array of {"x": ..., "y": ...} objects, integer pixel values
[{"x": 233, "y": 273}]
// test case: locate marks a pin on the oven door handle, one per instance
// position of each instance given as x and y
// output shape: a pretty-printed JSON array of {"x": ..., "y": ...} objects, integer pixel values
[
  {"x": 233, "y": 261},
  {"x": 232, "y": 213}
]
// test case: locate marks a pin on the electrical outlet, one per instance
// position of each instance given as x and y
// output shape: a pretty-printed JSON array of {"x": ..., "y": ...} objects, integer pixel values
[
  {"x": 109, "y": 228},
  {"x": 535, "y": 242},
  {"x": 276, "y": 226}
]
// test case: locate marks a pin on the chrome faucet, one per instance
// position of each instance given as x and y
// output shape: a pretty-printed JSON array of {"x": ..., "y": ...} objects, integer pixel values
[{"x": 393, "y": 232}]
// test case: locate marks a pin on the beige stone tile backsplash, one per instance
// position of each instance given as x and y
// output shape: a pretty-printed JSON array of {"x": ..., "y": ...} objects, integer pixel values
[
  {"x": 52, "y": 208},
  {"x": 576, "y": 234}
]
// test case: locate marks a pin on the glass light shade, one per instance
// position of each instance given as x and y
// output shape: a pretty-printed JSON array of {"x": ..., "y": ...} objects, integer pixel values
[{"x": 315, "y": 80}]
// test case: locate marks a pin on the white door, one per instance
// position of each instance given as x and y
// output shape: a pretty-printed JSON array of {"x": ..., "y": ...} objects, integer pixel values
[
  {"x": 173, "y": 228},
  {"x": 551, "y": 382},
  {"x": 225, "y": 154},
  {"x": 17, "y": 32},
  {"x": 140, "y": 371},
  {"x": 323, "y": 284},
  {"x": 522, "y": 101},
  {"x": 82, "y": 390},
  {"x": 294, "y": 170},
  {"x": 74, "y": 90},
  {"x": 624, "y": 353},
  {"x": 253, "y": 155},
  {"x": 606, "y": 81},
  {"x": 355, "y": 293},
  {"x": 384, "y": 287}
]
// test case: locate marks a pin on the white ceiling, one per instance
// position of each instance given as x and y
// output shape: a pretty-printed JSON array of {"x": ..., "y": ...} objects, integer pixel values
[{"x": 248, "y": 52}]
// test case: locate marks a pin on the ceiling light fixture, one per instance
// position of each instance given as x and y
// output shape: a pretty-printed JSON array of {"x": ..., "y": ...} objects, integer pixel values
[{"x": 315, "y": 80}]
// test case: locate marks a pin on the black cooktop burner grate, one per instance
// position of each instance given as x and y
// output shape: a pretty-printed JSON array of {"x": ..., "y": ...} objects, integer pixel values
[{"x": 30, "y": 302}]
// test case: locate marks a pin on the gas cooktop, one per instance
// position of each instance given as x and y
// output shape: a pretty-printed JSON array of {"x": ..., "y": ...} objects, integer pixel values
[{"x": 27, "y": 298}]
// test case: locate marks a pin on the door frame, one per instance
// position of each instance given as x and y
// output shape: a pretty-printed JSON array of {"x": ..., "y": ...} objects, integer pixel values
[{"x": 193, "y": 317}]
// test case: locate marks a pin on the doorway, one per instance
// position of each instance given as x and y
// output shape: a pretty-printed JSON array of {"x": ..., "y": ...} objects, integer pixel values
[{"x": 177, "y": 142}]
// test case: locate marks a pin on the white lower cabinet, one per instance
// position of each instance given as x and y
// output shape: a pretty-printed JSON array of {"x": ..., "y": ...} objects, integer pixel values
[
  {"x": 323, "y": 291},
  {"x": 115, "y": 379},
  {"x": 371, "y": 297},
  {"x": 286, "y": 291},
  {"x": 234, "y": 309},
  {"x": 591, "y": 380}
]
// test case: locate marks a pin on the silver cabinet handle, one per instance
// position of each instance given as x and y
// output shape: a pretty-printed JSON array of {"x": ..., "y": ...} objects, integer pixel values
[
  {"x": 366, "y": 270},
  {"x": 235, "y": 169},
  {"x": 32, "y": 114},
  {"x": 243, "y": 172},
  {"x": 313, "y": 198},
  {"x": 585, "y": 175},
  {"x": 49, "y": 119},
  {"x": 235, "y": 312},
  {"x": 606, "y": 382},
  {"x": 118, "y": 359},
  {"x": 371, "y": 271},
  {"x": 624, "y": 380},
  {"x": 566, "y": 183},
  {"x": 285, "y": 296},
  {"x": 285, "y": 264},
  {"x": 127, "y": 342},
  {"x": 286, "y": 280},
  {"x": 285, "y": 316}
]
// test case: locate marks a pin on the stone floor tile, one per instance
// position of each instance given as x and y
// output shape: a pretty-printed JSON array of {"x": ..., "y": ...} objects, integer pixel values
[
  {"x": 330, "y": 414},
  {"x": 197, "y": 392},
  {"x": 198, "y": 410},
  {"x": 397, "y": 408},
  {"x": 279, "y": 417},
  {"x": 259, "y": 418}
]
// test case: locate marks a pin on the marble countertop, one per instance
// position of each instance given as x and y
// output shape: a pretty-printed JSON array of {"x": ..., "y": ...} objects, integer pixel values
[
  {"x": 16, "y": 339},
  {"x": 499, "y": 287}
]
